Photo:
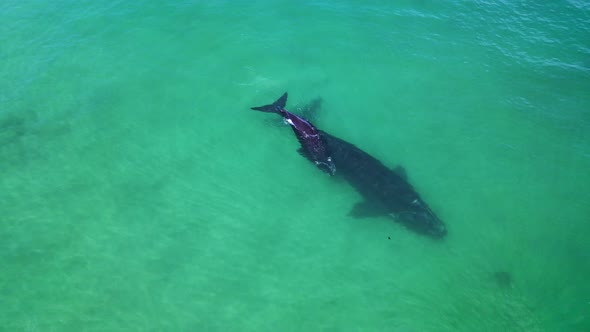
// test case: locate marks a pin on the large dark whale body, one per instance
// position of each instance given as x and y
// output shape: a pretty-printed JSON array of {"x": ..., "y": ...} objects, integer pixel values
[{"x": 385, "y": 191}]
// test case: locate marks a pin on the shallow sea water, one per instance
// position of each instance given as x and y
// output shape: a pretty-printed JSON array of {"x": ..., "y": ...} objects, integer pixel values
[{"x": 138, "y": 192}]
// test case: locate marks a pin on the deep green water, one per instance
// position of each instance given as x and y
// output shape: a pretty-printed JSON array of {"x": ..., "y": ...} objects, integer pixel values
[{"x": 139, "y": 193}]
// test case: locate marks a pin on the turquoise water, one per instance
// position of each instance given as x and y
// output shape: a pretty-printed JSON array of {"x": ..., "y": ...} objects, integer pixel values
[{"x": 139, "y": 193}]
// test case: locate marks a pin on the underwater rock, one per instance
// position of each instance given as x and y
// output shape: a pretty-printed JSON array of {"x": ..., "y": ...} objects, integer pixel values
[
  {"x": 12, "y": 129},
  {"x": 503, "y": 279}
]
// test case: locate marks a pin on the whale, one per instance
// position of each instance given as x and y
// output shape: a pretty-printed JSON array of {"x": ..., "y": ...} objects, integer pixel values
[
  {"x": 384, "y": 191},
  {"x": 312, "y": 147}
]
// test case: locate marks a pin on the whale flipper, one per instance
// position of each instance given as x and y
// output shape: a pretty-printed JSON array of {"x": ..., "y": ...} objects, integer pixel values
[{"x": 305, "y": 154}]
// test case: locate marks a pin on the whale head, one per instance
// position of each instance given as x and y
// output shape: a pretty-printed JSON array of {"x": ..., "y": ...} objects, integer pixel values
[
  {"x": 426, "y": 223},
  {"x": 420, "y": 218},
  {"x": 327, "y": 166}
]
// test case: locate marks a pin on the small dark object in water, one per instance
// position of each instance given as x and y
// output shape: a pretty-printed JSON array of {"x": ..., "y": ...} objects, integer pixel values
[
  {"x": 503, "y": 279},
  {"x": 389, "y": 237}
]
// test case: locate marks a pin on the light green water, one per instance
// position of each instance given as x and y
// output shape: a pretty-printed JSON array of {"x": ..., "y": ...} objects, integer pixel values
[{"x": 139, "y": 193}]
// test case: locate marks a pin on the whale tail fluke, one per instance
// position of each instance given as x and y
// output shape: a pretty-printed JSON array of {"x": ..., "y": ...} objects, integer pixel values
[{"x": 275, "y": 107}]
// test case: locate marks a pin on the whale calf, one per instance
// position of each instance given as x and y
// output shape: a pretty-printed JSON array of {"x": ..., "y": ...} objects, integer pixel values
[{"x": 312, "y": 146}]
